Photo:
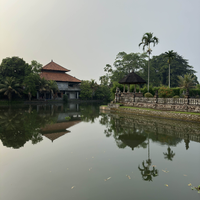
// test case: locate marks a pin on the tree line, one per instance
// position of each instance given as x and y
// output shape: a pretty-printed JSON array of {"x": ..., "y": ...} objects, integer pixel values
[{"x": 18, "y": 78}]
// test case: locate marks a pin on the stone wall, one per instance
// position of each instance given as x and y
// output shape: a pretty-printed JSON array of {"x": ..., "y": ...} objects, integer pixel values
[
  {"x": 173, "y": 104},
  {"x": 154, "y": 113}
]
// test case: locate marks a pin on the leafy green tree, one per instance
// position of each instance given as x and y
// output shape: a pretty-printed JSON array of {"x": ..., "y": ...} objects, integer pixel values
[
  {"x": 102, "y": 93},
  {"x": 86, "y": 90},
  {"x": 10, "y": 86},
  {"x": 187, "y": 81},
  {"x": 170, "y": 55},
  {"x": 36, "y": 66},
  {"x": 31, "y": 84},
  {"x": 104, "y": 80},
  {"x": 124, "y": 64},
  {"x": 159, "y": 72},
  {"x": 147, "y": 39},
  {"x": 93, "y": 86},
  {"x": 15, "y": 67}
]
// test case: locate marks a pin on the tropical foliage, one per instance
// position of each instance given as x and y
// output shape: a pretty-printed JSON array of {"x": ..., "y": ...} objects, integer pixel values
[
  {"x": 91, "y": 90},
  {"x": 31, "y": 84},
  {"x": 170, "y": 55},
  {"x": 10, "y": 86},
  {"x": 187, "y": 81},
  {"x": 159, "y": 70},
  {"x": 147, "y": 39}
]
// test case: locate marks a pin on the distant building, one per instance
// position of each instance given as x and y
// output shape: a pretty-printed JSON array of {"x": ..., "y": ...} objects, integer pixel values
[{"x": 66, "y": 84}]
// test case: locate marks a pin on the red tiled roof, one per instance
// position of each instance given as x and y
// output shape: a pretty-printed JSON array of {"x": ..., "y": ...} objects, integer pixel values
[
  {"x": 54, "y": 67},
  {"x": 58, "y": 76}
]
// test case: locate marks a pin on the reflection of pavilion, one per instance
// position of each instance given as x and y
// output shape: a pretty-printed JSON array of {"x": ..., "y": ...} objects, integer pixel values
[
  {"x": 54, "y": 131},
  {"x": 132, "y": 140}
]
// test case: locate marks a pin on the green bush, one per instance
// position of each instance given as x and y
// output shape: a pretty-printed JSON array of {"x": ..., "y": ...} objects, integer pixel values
[
  {"x": 148, "y": 95},
  {"x": 176, "y": 91},
  {"x": 65, "y": 98},
  {"x": 165, "y": 92},
  {"x": 176, "y": 96},
  {"x": 192, "y": 92},
  {"x": 67, "y": 118}
]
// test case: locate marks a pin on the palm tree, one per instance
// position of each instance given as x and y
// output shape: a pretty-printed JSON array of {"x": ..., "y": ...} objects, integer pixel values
[
  {"x": 53, "y": 88},
  {"x": 186, "y": 81},
  {"x": 43, "y": 86},
  {"x": 147, "y": 39},
  {"x": 170, "y": 55},
  {"x": 10, "y": 86}
]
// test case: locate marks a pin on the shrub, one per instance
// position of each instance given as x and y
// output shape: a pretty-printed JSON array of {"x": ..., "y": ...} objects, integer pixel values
[
  {"x": 176, "y": 96},
  {"x": 176, "y": 91},
  {"x": 67, "y": 118},
  {"x": 165, "y": 92},
  {"x": 148, "y": 95}
]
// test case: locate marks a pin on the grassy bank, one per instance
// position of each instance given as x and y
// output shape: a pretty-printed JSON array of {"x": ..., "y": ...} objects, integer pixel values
[{"x": 151, "y": 109}]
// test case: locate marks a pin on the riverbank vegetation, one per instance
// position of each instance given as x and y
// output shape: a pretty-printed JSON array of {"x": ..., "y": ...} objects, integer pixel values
[
  {"x": 168, "y": 73},
  {"x": 20, "y": 81}
]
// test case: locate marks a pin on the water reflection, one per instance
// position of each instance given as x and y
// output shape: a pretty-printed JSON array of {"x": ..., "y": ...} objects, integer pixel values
[
  {"x": 137, "y": 132},
  {"x": 132, "y": 130},
  {"x": 146, "y": 172},
  {"x": 169, "y": 154},
  {"x": 19, "y": 125}
]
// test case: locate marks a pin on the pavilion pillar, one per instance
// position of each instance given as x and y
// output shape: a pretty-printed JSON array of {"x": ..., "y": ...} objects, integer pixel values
[
  {"x": 135, "y": 88},
  {"x": 140, "y": 89},
  {"x": 124, "y": 89},
  {"x": 128, "y": 88}
]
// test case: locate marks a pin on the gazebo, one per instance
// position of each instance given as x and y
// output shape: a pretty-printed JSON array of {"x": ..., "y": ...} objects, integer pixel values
[{"x": 131, "y": 78}]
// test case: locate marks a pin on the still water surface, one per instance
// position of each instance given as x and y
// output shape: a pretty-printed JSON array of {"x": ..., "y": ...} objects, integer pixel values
[{"x": 94, "y": 155}]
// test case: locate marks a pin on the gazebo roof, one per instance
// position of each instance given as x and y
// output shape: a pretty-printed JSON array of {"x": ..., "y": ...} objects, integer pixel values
[{"x": 132, "y": 78}]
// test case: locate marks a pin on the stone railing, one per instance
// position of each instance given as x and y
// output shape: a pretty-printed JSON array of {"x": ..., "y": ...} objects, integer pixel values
[{"x": 132, "y": 98}]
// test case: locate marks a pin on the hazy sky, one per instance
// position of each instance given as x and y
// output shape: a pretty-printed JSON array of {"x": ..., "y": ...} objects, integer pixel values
[{"x": 85, "y": 35}]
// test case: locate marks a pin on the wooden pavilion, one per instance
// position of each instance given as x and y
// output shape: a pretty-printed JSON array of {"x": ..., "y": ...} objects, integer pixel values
[{"x": 132, "y": 78}]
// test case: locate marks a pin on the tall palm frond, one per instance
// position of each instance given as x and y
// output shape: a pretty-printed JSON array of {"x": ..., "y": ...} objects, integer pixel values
[
  {"x": 186, "y": 81},
  {"x": 148, "y": 39},
  {"x": 170, "y": 55}
]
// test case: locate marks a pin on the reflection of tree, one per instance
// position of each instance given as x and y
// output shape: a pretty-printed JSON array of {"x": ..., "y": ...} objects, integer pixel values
[
  {"x": 21, "y": 125},
  {"x": 89, "y": 112},
  {"x": 119, "y": 124},
  {"x": 146, "y": 173},
  {"x": 124, "y": 135},
  {"x": 169, "y": 155},
  {"x": 187, "y": 141}
]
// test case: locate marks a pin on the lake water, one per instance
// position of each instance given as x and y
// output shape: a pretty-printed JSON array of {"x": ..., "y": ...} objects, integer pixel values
[{"x": 92, "y": 155}]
